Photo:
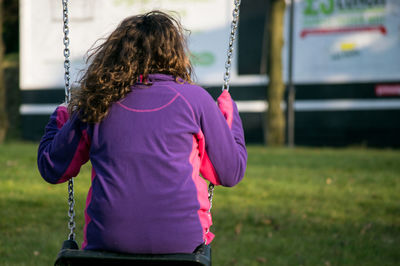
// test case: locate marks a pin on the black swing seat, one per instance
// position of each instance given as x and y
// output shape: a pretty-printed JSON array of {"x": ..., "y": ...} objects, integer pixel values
[{"x": 71, "y": 255}]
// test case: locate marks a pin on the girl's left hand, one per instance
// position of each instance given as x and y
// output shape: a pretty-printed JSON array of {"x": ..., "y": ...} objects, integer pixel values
[
  {"x": 62, "y": 114},
  {"x": 226, "y": 106}
]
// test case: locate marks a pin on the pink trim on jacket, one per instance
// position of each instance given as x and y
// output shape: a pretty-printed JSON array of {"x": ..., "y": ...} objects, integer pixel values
[
  {"x": 88, "y": 219},
  {"x": 80, "y": 157},
  {"x": 148, "y": 110},
  {"x": 206, "y": 167},
  {"x": 81, "y": 154},
  {"x": 202, "y": 193}
]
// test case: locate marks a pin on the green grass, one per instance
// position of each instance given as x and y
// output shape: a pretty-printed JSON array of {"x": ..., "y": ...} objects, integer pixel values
[{"x": 294, "y": 207}]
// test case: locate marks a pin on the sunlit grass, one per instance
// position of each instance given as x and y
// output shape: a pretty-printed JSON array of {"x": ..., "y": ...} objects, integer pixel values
[{"x": 294, "y": 207}]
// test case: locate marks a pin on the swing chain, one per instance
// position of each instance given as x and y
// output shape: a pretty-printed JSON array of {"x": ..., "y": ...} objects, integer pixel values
[
  {"x": 234, "y": 26},
  {"x": 227, "y": 74},
  {"x": 67, "y": 52},
  {"x": 67, "y": 64},
  {"x": 210, "y": 199},
  {"x": 71, "y": 211},
  {"x": 210, "y": 195}
]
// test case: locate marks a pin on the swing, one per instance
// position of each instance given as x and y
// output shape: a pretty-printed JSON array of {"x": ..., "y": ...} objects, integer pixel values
[{"x": 70, "y": 253}]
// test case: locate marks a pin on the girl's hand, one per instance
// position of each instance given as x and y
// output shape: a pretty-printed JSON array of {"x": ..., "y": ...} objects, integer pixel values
[
  {"x": 226, "y": 106},
  {"x": 62, "y": 114}
]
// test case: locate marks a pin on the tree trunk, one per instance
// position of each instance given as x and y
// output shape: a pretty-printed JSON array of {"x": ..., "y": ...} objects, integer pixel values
[
  {"x": 3, "y": 115},
  {"x": 275, "y": 133}
]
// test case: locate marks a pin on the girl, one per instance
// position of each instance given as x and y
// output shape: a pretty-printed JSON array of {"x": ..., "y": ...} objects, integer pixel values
[{"x": 148, "y": 132}]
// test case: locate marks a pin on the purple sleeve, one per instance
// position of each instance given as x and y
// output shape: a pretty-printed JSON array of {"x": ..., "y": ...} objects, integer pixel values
[
  {"x": 64, "y": 148},
  {"x": 225, "y": 154}
]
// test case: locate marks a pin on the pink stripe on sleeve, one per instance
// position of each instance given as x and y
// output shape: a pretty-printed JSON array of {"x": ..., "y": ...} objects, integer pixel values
[
  {"x": 206, "y": 167},
  {"x": 80, "y": 157},
  {"x": 88, "y": 219},
  {"x": 202, "y": 193}
]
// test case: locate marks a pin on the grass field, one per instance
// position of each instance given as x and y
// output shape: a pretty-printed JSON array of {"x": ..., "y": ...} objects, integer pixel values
[{"x": 295, "y": 207}]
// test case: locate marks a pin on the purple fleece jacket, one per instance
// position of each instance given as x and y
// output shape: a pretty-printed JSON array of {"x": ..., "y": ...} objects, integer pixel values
[{"x": 147, "y": 195}]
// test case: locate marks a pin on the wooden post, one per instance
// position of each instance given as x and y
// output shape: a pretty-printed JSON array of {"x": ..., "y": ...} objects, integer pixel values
[
  {"x": 3, "y": 115},
  {"x": 291, "y": 89},
  {"x": 275, "y": 115}
]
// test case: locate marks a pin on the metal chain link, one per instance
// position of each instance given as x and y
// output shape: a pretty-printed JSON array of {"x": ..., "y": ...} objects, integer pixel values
[
  {"x": 232, "y": 37},
  {"x": 67, "y": 64},
  {"x": 210, "y": 198},
  {"x": 210, "y": 195}
]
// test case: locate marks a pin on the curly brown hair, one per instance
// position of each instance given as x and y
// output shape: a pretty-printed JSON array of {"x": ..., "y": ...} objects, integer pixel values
[{"x": 141, "y": 45}]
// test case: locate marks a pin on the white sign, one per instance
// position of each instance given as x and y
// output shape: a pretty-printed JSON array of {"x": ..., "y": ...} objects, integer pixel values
[
  {"x": 338, "y": 41},
  {"x": 90, "y": 20}
]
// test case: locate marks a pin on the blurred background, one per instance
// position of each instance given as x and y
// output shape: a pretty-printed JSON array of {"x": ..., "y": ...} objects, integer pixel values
[{"x": 330, "y": 67}]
